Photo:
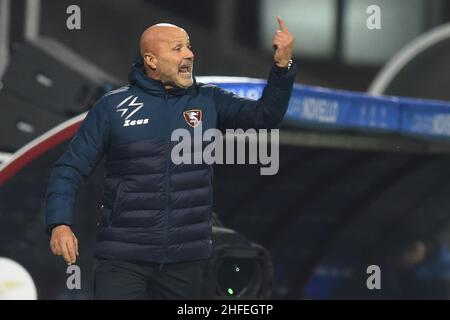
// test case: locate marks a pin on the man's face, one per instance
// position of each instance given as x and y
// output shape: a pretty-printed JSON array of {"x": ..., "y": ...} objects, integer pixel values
[{"x": 174, "y": 59}]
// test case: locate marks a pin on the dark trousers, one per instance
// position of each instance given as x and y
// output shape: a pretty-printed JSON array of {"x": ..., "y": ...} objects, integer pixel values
[{"x": 121, "y": 280}]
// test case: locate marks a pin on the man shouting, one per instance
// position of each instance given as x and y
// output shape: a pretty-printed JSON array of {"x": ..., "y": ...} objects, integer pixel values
[{"x": 154, "y": 234}]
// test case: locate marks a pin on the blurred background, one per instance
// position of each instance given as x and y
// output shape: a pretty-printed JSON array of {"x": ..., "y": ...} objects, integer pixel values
[{"x": 371, "y": 191}]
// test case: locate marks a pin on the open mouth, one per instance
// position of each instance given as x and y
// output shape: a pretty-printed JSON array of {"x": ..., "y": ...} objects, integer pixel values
[{"x": 185, "y": 70}]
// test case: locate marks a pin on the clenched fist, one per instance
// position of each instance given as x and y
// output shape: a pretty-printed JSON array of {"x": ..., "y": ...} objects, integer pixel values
[
  {"x": 283, "y": 42},
  {"x": 64, "y": 243}
]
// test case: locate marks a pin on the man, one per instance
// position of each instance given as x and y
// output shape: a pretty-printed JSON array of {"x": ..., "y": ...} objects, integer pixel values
[{"x": 154, "y": 235}]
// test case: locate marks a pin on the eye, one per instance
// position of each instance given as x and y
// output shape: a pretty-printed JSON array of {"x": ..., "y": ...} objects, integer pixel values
[{"x": 177, "y": 48}]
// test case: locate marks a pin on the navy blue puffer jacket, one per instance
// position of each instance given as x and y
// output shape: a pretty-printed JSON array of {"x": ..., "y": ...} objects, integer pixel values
[{"x": 154, "y": 210}]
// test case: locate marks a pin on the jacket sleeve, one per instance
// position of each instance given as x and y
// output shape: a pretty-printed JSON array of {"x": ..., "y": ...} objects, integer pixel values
[
  {"x": 80, "y": 159},
  {"x": 266, "y": 113}
]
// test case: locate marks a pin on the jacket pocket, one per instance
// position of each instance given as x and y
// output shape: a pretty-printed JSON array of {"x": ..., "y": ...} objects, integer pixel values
[
  {"x": 105, "y": 217},
  {"x": 116, "y": 207},
  {"x": 211, "y": 186}
]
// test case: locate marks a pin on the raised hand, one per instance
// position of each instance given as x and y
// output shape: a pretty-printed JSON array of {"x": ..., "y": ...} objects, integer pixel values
[{"x": 283, "y": 43}]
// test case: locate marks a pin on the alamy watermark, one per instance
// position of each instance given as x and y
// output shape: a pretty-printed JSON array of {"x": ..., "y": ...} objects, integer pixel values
[
  {"x": 73, "y": 21},
  {"x": 373, "y": 21},
  {"x": 374, "y": 280},
  {"x": 191, "y": 149},
  {"x": 74, "y": 280}
]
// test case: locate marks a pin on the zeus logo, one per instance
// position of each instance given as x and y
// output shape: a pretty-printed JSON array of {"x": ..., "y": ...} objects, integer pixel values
[
  {"x": 135, "y": 122},
  {"x": 133, "y": 103}
]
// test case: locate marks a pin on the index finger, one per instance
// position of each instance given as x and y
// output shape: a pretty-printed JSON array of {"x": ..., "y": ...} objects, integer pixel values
[
  {"x": 65, "y": 253},
  {"x": 71, "y": 251},
  {"x": 282, "y": 24},
  {"x": 76, "y": 244}
]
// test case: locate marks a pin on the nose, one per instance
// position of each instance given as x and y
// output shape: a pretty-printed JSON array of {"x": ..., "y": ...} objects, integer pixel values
[{"x": 189, "y": 54}]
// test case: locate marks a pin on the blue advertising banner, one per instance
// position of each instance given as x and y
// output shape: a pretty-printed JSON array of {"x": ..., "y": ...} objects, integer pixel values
[{"x": 323, "y": 108}]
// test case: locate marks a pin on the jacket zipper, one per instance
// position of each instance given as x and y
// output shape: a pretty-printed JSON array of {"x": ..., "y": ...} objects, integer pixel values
[{"x": 166, "y": 216}]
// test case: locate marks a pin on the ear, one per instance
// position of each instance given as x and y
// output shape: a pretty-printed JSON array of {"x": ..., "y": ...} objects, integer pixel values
[{"x": 150, "y": 60}]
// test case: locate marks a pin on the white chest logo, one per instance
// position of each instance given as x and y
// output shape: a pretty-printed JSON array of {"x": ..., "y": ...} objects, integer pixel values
[
  {"x": 133, "y": 106},
  {"x": 137, "y": 122}
]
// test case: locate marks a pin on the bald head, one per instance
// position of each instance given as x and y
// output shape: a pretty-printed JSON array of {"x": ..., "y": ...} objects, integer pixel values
[
  {"x": 153, "y": 36},
  {"x": 166, "y": 51}
]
